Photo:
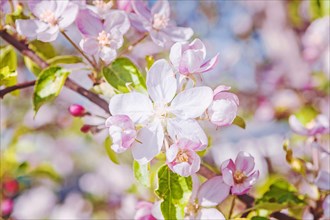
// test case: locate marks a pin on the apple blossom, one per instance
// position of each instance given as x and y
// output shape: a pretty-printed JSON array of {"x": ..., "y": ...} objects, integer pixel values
[
  {"x": 323, "y": 180},
  {"x": 77, "y": 110},
  {"x": 320, "y": 125},
  {"x": 102, "y": 38},
  {"x": 163, "y": 111},
  {"x": 7, "y": 206},
  {"x": 51, "y": 18},
  {"x": 144, "y": 211},
  {"x": 122, "y": 132},
  {"x": 157, "y": 22},
  {"x": 203, "y": 201},
  {"x": 101, "y": 7},
  {"x": 189, "y": 58},
  {"x": 239, "y": 175},
  {"x": 223, "y": 109},
  {"x": 182, "y": 158},
  {"x": 125, "y": 5},
  {"x": 326, "y": 206}
]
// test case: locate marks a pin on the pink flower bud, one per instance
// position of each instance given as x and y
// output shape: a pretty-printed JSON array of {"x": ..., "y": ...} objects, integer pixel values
[
  {"x": 10, "y": 187},
  {"x": 144, "y": 211},
  {"x": 86, "y": 128},
  {"x": 77, "y": 110},
  {"x": 6, "y": 207}
]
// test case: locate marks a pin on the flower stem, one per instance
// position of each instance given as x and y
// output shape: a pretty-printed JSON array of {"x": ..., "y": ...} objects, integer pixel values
[
  {"x": 232, "y": 207},
  {"x": 130, "y": 47},
  {"x": 79, "y": 50}
]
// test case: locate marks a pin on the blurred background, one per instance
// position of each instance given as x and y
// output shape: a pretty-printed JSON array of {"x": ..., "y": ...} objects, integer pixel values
[{"x": 274, "y": 55}]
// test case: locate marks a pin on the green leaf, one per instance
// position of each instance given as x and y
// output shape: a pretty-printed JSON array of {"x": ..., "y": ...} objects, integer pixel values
[
  {"x": 306, "y": 114},
  {"x": 17, "y": 14},
  {"x": 259, "y": 218},
  {"x": 49, "y": 84},
  {"x": 45, "y": 170},
  {"x": 45, "y": 50},
  {"x": 111, "y": 154},
  {"x": 142, "y": 173},
  {"x": 122, "y": 73},
  {"x": 8, "y": 66},
  {"x": 239, "y": 121},
  {"x": 175, "y": 191},
  {"x": 64, "y": 59}
]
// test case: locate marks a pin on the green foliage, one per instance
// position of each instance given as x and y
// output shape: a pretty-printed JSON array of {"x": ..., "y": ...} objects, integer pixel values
[
  {"x": 64, "y": 59},
  {"x": 111, "y": 154},
  {"x": 319, "y": 8},
  {"x": 8, "y": 66},
  {"x": 45, "y": 50},
  {"x": 239, "y": 121},
  {"x": 142, "y": 173},
  {"x": 175, "y": 191},
  {"x": 259, "y": 218},
  {"x": 49, "y": 84},
  {"x": 306, "y": 114},
  {"x": 122, "y": 74},
  {"x": 17, "y": 14}
]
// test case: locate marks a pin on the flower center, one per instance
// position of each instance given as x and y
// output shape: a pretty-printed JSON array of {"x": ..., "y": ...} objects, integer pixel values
[
  {"x": 104, "y": 39},
  {"x": 182, "y": 156},
  {"x": 239, "y": 177},
  {"x": 192, "y": 208},
  {"x": 48, "y": 17},
  {"x": 102, "y": 6},
  {"x": 160, "y": 110},
  {"x": 160, "y": 21}
]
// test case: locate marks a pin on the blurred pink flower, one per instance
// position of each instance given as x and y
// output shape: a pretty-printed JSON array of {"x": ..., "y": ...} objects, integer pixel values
[
  {"x": 77, "y": 110},
  {"x": 182, "y": 158},
  {"x": 51, "y": 18},
  {"x": 101, "y": 7},
  {"x": 122, "y": 132},
  {"x": 144, "y": 211},
  {"x": 320, "y": 125},
  {"x": 7, "y": 206},
  {"x": 102, "y": 38},
  {"x": 157, "y": 22},
  {"x": 125, "y": 5},
  {"x": 323, "y": 180},
  {"x": 189, "y": 58},
  {"x": 239, "y": 175},
  {"x": 163, "y": 110},
  {"x": 223, "y": 109},
  {"x": 326, "y": 206}
]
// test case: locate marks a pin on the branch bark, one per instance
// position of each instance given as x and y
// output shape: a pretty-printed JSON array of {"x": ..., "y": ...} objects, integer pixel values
[
  {"x": 26, "y": 51},
  {"x": 15, "y": 87}
]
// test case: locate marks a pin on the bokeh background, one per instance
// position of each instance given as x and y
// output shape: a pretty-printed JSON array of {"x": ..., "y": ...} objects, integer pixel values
[{"x": 274, "y": 55}]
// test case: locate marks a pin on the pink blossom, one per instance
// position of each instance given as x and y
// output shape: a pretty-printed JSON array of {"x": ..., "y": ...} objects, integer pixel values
[
  {"x": 188, "y": 58},
  {"x": 144, "y": 211},
  {"x": 102, "y": 38},
  {"x": 157, "y": 22},
  {"x": 239, "y": 175},
  {"x": 122, "y": 132},
  {"x": 323, "y": 180},
  {"x": 320, "y": 125},
  {"x": 203, "y": 201},
  {"x": 125, "y": 5},
  {"x": 51, "y": 18},
  {"x": 77, "y": 110},
  {"x": 182, "y": 158},
  {"x": 101, "y": 7},
  {"x": 223, "y": 109},
  {"x": 161, "y": 110},
  {"x": 326, "y": 207},
  {"x": 7, "y": 206}
]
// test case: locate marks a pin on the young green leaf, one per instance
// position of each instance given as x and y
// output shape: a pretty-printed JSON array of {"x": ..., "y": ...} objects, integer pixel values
[
  {"x": 111, "y": 154},
  {"x": 48, "y": 85},
  {"x": 175, "y": 191},
  {"x": 65, "y": 59},
  {"x": 8, "y": 66},
  {"x": 142, "y": 173},
  {"x": 121, "y": 73},
  {"x": 239, "y": 121}
]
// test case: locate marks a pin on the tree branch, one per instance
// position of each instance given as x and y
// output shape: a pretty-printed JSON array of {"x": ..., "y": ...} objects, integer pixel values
[
  {"x": 15, "y": 87},
  {"x": 26, "y": 51}
]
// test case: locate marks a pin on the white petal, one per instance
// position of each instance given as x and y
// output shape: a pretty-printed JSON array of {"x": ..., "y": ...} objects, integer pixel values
[
  {"x": 136, "y": 105},
  {"x": 211, "y": 213},
  {"x": 176, "y": 53},
  {"x": 188, "y": 129},
  {"x": 118, "y": 20},
  {"x": 44, "y": 6},
  {"x": 213, "y": 192},
  {"x": 69, "y": 15},
  {"x": 89, "y": 45},
  {"x": 151, "y": 138},
  {"x": 192, "y": 103},
  {"x": 161, "y": 82},
  {"x": 107, "y": 54},
  {"x": 60, "y": 7},
  {"x": 30, "y": 28},
  {"x": 49, "y": 34},
  {"x": 162, "y": 8},
  {"x": 88, "y": 23}
]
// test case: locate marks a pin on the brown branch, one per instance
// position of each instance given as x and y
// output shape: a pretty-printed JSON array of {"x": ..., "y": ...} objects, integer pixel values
[
  {"x": 26, "y": 51},
  {"x": 15, "y": 87}
]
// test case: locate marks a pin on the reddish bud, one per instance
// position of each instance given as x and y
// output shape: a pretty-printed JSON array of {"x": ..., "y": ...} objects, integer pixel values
[
  {"x": 11, "y": 187},
  {"x": 77, "y": 110},
  {"x": 86, "y": 128},
  {"x": 6, "y": 207}
]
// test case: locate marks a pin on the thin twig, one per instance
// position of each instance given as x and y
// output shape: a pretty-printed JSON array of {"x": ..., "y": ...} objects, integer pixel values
[
  {"x": 232, "y": 207},
  {"x": 130, "y": 47},
  {"x": 15, "y": 87},
  {"x": 26, "y": 51}
]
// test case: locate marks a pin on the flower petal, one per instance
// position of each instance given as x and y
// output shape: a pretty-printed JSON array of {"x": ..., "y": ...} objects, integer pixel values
[
  {"x": 161, "y": 82},
  {"x": 30, "y": 28},
  {"x": 192, "y": 103},
  {"x": 69, "y": 15},
  {"x": 43, "y": 6},
  {"x": 187, "y": 129},
  {"x": 191, "y": 61},
  {"x": 227, "y": 175},
  {"x": 210, "y": 214},
  {"x": 49, "y": 35},
  {"x": 213, "y": 192},
  {"x": 297, "y": 126},
  {"x": 323, "y": 180},
  {"x": 136, "y": 105},
  {"x": 244, "y": 162},
  {"x": 89, "y": 46},
  {"x": 151, "y": 138},
  {"x": 118, "y": 20},
  {"x": 107, "y": 54},
  {"x": 208, "y": 65},
  {"x": 178, "y": 33},
  {"x": 88, "y": 23},
  {"x": 60, "y": 7},
  {"x": 141, "y": 9},
  {"x": 176, "y": 53},
  {"x": 172, "y": 152},
  {"x": 161, "y": 7}
]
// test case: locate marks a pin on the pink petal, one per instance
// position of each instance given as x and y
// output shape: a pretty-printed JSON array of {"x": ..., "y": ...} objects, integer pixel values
[
  {"x": 172, "y": 152},
  {"x": 159, "y": 37},
  {"x": 161, "y": 7},
  {"x": 107, "y": 54},
  {"x": 228, "y": 96},
  {"x": 244, "y": 162},
  {"x": 141, "y": 9},
  {"x": 69, "y": 15},
  {"x": 176, "y": 53},
  {"x": 30, "y": 28},
  {"x": 178, "y": 33},
  {"x": 210, "y": 214},
  {"x": 88, "y": 23},
  {"x": 198, "y": 45},
  {"x": 61, "y": 7},
  {"x": 326, "y": 206},
  {"x": 117, "y": 20},
  {"x": 228, "y": 164},
  {"x": 89, "y": 46},
  {"x": 323, "y": 180},
  {"x": 183, "y": 169},
  {"x": 49, "y": 35},
  {"x": 191, "y": 61},
  {"x": 221, "y": 88},
  {"x": 208, "y": 65},
  {"x": 43, "y": 6},
  {"x": 227, "y": 175},
  {"x": 213, "y": 192}
]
